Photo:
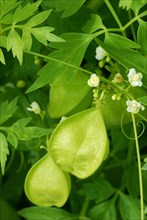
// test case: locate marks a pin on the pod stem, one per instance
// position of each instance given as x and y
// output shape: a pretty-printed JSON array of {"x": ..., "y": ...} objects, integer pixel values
[{"x": 139, "y": 168}]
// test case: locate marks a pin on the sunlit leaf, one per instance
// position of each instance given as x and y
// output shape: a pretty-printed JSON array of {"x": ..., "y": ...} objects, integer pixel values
[
  {"x": 2, "y": 58},
  {"x": 4, "y": 151},
  {"x": 38, "y": 19},
  {"x": 15, "y": 43},
  {"x": 6, "y": 6},
  {"x": 12, "y": 139},
  {"x": 21, "y": 13}
]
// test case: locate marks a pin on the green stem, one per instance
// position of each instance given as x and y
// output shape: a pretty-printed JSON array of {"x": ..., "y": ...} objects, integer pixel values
[
  {"x": 115, "y": 17},
  {"x": 134, "y": 19},
  {"x": 139, "y": 167},
  {"x": 84, "y": 209},
  {"x": 132, "y": 27}
]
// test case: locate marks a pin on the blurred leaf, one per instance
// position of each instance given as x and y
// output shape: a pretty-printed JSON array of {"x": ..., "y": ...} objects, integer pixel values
[
  {"x": 133, "y": 180},
  {"x": 2, "y": 58},
  {"x": 28, "y": 10},
  {"x": 125, "y": 4},
  {"x": 6, "y": 6},
  {"x": 97, "y": 189},
  {"x": 129, "y": 207},
  {"x": 143, "y": 100},
  {"x": 44, "y": 213},
  {"x": 15, "y": 43},
  {"x": 68, "y": 7},
  {"x": 142, "y": 36},
  {"x": 135, "y": 5},
  {"x": 93, "y": 25},
  {"x": 69, "y": 52},
  {"x": 144, "y": 166},
  {"x": 4, "y": 151},
  {"x": 27, "y": 133},
  {"x": 105, "y": 210},
  {"x": 7, "y": 110},
  {"x": 120, "y": 48},
  {"x": 38, "y": 19},
  {"x": 12, "y": 139}
]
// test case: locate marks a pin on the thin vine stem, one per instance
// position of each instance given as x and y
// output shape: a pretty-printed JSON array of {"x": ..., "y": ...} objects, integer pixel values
[
  {"x": 139, "y": 167},
  {"x": 115, "y": 17}
]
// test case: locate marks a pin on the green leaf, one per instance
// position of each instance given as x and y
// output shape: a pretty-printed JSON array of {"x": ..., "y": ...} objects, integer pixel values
[
  {"x": 120, "y": 48},
  {"x": 68, "y": 7},
  {"x": 12, "y": 139},
  {"x": 143, "y": 100},
  {"x": 93, "y": 25},
  {"x": 44, "y": 213},
  {"x": 69, "y": 52},
  {"x": 7, "y": 110},
  {"x": 142, "y": 36},
  {"x": 6, "y": 6},
  {"x": 3, "y": 41},
  {"x": 129, "y": 207},
  {"x": 4, "y": 151},
  {"x": 135, "y": 5},
  {"x": 105, "y": 210},
  {"x": 28, "y": 10},
  {"x": 38, "y": 19},
  {"x": 2, "y": 58},
  {"x": 28, "y": 133},
  {"x": 27, "y": 39},
  {"x": 144, "y": 166},
  {"x": 125, "y": 4},
  {"x": 132, "y": 180},
  {"x": 43, "y": 35},
  {"x": 15, "y": 43},
  {"x": 97, "y": 189}
]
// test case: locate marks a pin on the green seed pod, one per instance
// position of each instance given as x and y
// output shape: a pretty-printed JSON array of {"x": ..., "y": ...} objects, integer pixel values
[
  {"x": 68, "y": 96},
  {"x": 46, "y": 184},
  {"x": 79, "y": 144}
]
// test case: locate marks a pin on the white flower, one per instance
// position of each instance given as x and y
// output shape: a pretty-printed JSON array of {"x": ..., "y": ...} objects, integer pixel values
[
  {"x": 117, "y": 78},
  {"x": 135, "y": 78},
  {"x": 34, "y": 108},
  {"x": 94, "y": 80},
  {"x": 100, "y": 53},
  {"x": 134, "y": 106}
]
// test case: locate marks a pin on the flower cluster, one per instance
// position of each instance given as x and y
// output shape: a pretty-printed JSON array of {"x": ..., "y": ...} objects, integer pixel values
[
  {"x": 135, "y": 78},
  {"x": 134, "y": 106},
  {"x": 94, "y": 81}
]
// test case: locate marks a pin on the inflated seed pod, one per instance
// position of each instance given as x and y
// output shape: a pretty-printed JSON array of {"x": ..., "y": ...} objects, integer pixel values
[
  {"x": 46, "y": 184},
  {"x": 79, "y": 144},
  {"x": 68, "y": 96}
]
